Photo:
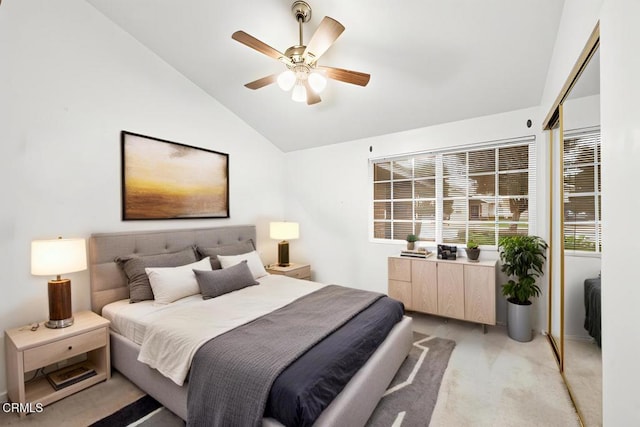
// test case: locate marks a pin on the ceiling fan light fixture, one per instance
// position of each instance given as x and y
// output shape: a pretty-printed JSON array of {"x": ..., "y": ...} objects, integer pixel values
[
  {"x": 286, "y": 80},
  {"x": 299, "y": 93},
  {"x": 317, "y": 81}
]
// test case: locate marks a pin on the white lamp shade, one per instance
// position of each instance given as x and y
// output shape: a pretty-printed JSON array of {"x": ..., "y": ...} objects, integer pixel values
[
  {"x": 286, "y": 80},
  {"x": 284, "y": 230},
  {"x": 317, "y": 82},
  {"x": 299, "y": 93},
  {"x": 58, "y": 256}
]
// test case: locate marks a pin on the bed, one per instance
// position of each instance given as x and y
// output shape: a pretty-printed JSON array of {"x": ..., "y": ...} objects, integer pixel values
[{"x": 109, "y": 285}]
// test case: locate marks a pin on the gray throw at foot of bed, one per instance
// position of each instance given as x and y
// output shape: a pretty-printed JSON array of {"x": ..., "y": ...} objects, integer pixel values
[{"x": 233, "y": 390}]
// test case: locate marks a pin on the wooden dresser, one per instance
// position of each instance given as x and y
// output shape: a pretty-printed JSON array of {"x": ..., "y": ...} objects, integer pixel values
[{"x": 457, "y": 289}]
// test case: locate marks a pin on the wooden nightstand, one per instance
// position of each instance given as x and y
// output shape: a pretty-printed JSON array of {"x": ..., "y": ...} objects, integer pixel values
[
  {"x": 298, "y": 271},
  {"x": 27, "y": 351}
]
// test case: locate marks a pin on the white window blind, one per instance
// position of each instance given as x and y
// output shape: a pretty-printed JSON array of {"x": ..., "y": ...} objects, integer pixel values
[
  {"x": 582, "y": 191},
  {"x": 482, "y": 192}
]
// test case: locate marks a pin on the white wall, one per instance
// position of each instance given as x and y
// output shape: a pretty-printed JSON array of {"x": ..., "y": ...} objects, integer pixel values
[
  {"x": 329, "y": 193},
  {"x": 70, "y": 81},
  {"x": 620, "y": 97}
]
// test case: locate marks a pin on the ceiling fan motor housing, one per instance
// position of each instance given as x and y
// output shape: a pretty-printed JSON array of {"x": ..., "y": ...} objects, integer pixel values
[{"x": 296, "y": 54}]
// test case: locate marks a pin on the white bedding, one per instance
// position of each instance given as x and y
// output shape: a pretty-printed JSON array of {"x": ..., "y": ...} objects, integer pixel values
[{"x": 170, "y": 334}]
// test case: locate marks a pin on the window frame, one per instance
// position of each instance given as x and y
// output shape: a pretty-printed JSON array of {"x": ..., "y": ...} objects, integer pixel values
[{"x": 438, "y": 222}]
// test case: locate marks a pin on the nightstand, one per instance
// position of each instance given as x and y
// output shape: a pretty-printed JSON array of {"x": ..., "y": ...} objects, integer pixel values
[
  {"x": 298, "y": 271},
  {"x": 27, "y": 351}
]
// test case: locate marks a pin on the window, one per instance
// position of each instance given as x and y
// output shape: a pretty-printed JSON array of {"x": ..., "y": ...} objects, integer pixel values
[
  {"x": 451, "y": 196},
  {"x": 582, "y": 191}
]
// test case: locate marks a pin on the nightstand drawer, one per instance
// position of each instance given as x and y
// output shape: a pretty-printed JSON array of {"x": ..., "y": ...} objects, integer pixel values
[
  {"x": 54, "y": 352},
  {"x": 300, "y": 273},
  {"x": 297, "y": 271}
]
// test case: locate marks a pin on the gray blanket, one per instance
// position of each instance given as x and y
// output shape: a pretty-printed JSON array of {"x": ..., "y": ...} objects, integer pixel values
[{"x": 232, "y": 374}]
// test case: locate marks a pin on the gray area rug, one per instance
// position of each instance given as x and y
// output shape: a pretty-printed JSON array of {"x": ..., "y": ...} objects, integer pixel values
[
  {"x": 408, "y": 402},
  {"x": 413, "y": 392}
]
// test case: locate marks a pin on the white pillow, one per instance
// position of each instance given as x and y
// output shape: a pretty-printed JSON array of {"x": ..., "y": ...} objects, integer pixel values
[
  {"x": 169, "y": 284},
  {"x": 253, "y": 261}
]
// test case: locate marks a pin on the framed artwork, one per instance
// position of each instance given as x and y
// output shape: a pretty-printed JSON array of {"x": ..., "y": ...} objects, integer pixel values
[{"x": 167, "y": 180}]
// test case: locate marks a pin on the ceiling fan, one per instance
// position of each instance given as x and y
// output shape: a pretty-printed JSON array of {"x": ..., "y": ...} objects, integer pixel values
[{"x": 303, "y": 74}]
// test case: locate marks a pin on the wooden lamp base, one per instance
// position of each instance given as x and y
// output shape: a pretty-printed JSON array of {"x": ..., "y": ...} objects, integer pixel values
[
  {"x": 60, "y": 314},
  {"x": 283, "y": 254}
]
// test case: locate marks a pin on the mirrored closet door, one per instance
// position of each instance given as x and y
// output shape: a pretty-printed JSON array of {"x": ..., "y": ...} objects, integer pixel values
[
  {"x": 575, "y": 215},
  {"x": 582, "y": 248}
]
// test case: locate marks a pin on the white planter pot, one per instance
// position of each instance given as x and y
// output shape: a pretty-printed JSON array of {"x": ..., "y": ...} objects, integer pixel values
[{"x": 519, "y": 323}]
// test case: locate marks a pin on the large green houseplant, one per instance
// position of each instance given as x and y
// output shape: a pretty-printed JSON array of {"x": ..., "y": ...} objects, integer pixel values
[{"x": 522, "y": 260}]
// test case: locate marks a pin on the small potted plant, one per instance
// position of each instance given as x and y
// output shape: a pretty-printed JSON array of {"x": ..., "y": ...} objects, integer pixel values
[
  {"x": 522, "y": 260},
  {"x": 473, "y": 251},
  {"x": 411, "y": 241}
]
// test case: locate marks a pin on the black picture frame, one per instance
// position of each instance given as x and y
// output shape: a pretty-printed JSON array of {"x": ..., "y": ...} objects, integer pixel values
[{"x": 168, "y": 180}]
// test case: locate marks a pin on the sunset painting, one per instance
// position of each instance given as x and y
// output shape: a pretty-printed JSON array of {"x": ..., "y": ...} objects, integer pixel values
[{"x": 167, "y": 180}]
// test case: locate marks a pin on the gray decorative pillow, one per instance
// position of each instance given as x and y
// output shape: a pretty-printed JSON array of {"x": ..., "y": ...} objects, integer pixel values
[
  {"x": 219, "y": 282},
  {"x": 233, "y": 249},
  {"x": 134, "y": 265}
]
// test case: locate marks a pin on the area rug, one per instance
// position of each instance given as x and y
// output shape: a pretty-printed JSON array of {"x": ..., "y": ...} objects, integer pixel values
[
  {"x": 131, "y": 414},
  {"x": 409, "y": 400},
  {"x": 413, "y": 392}
]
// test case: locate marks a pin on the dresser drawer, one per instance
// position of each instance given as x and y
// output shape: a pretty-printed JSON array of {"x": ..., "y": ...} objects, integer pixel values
[{"x": 47, "y": 354}]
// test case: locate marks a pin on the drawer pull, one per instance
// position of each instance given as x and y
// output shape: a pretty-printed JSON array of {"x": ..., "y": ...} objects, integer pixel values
[{"x": 70, "y": 347}]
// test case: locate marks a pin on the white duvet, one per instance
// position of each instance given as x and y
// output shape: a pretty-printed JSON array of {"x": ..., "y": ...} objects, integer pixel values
[{"x": 170, "y": 335}]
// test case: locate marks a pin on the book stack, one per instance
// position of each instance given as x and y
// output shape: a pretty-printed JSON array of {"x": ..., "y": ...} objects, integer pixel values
[
  {"x": 417, "y": 253},
  {"x": 67, "y": 376}
]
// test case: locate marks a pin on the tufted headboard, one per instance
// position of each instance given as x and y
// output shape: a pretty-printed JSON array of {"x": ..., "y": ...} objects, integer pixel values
[{"x": 108, "y": 281}]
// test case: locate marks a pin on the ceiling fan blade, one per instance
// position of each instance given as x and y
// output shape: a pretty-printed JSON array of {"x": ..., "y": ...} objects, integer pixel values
[
  {"x": 254, "y": 43},
  {"x": 346, "y": 76},
  {"x": 327, "y": 33},
  {"x": 312, "y": 97},
  {"x": 257, "y": 84}
]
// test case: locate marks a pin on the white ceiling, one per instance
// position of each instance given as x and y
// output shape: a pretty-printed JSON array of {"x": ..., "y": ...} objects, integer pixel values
[{"x": 431, "y": 61}]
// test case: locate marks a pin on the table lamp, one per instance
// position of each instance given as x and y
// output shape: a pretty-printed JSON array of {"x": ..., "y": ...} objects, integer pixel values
[
  {"x": 284, "y": 231},
  {"x": 54, "y": 258}
]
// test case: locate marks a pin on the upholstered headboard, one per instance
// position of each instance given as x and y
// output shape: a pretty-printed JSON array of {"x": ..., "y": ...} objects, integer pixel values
[{"x": 108, "y": 281}]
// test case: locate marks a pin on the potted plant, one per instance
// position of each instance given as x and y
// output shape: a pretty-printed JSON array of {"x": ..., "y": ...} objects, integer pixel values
[
  {"x": 522, "y": 260},
  {"x": 411, "y": 241},
  {"x": 472, "y": 250}
]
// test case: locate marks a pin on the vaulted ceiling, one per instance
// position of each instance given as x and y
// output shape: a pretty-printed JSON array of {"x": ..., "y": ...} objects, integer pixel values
[{"x": 431, "y": 61}]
